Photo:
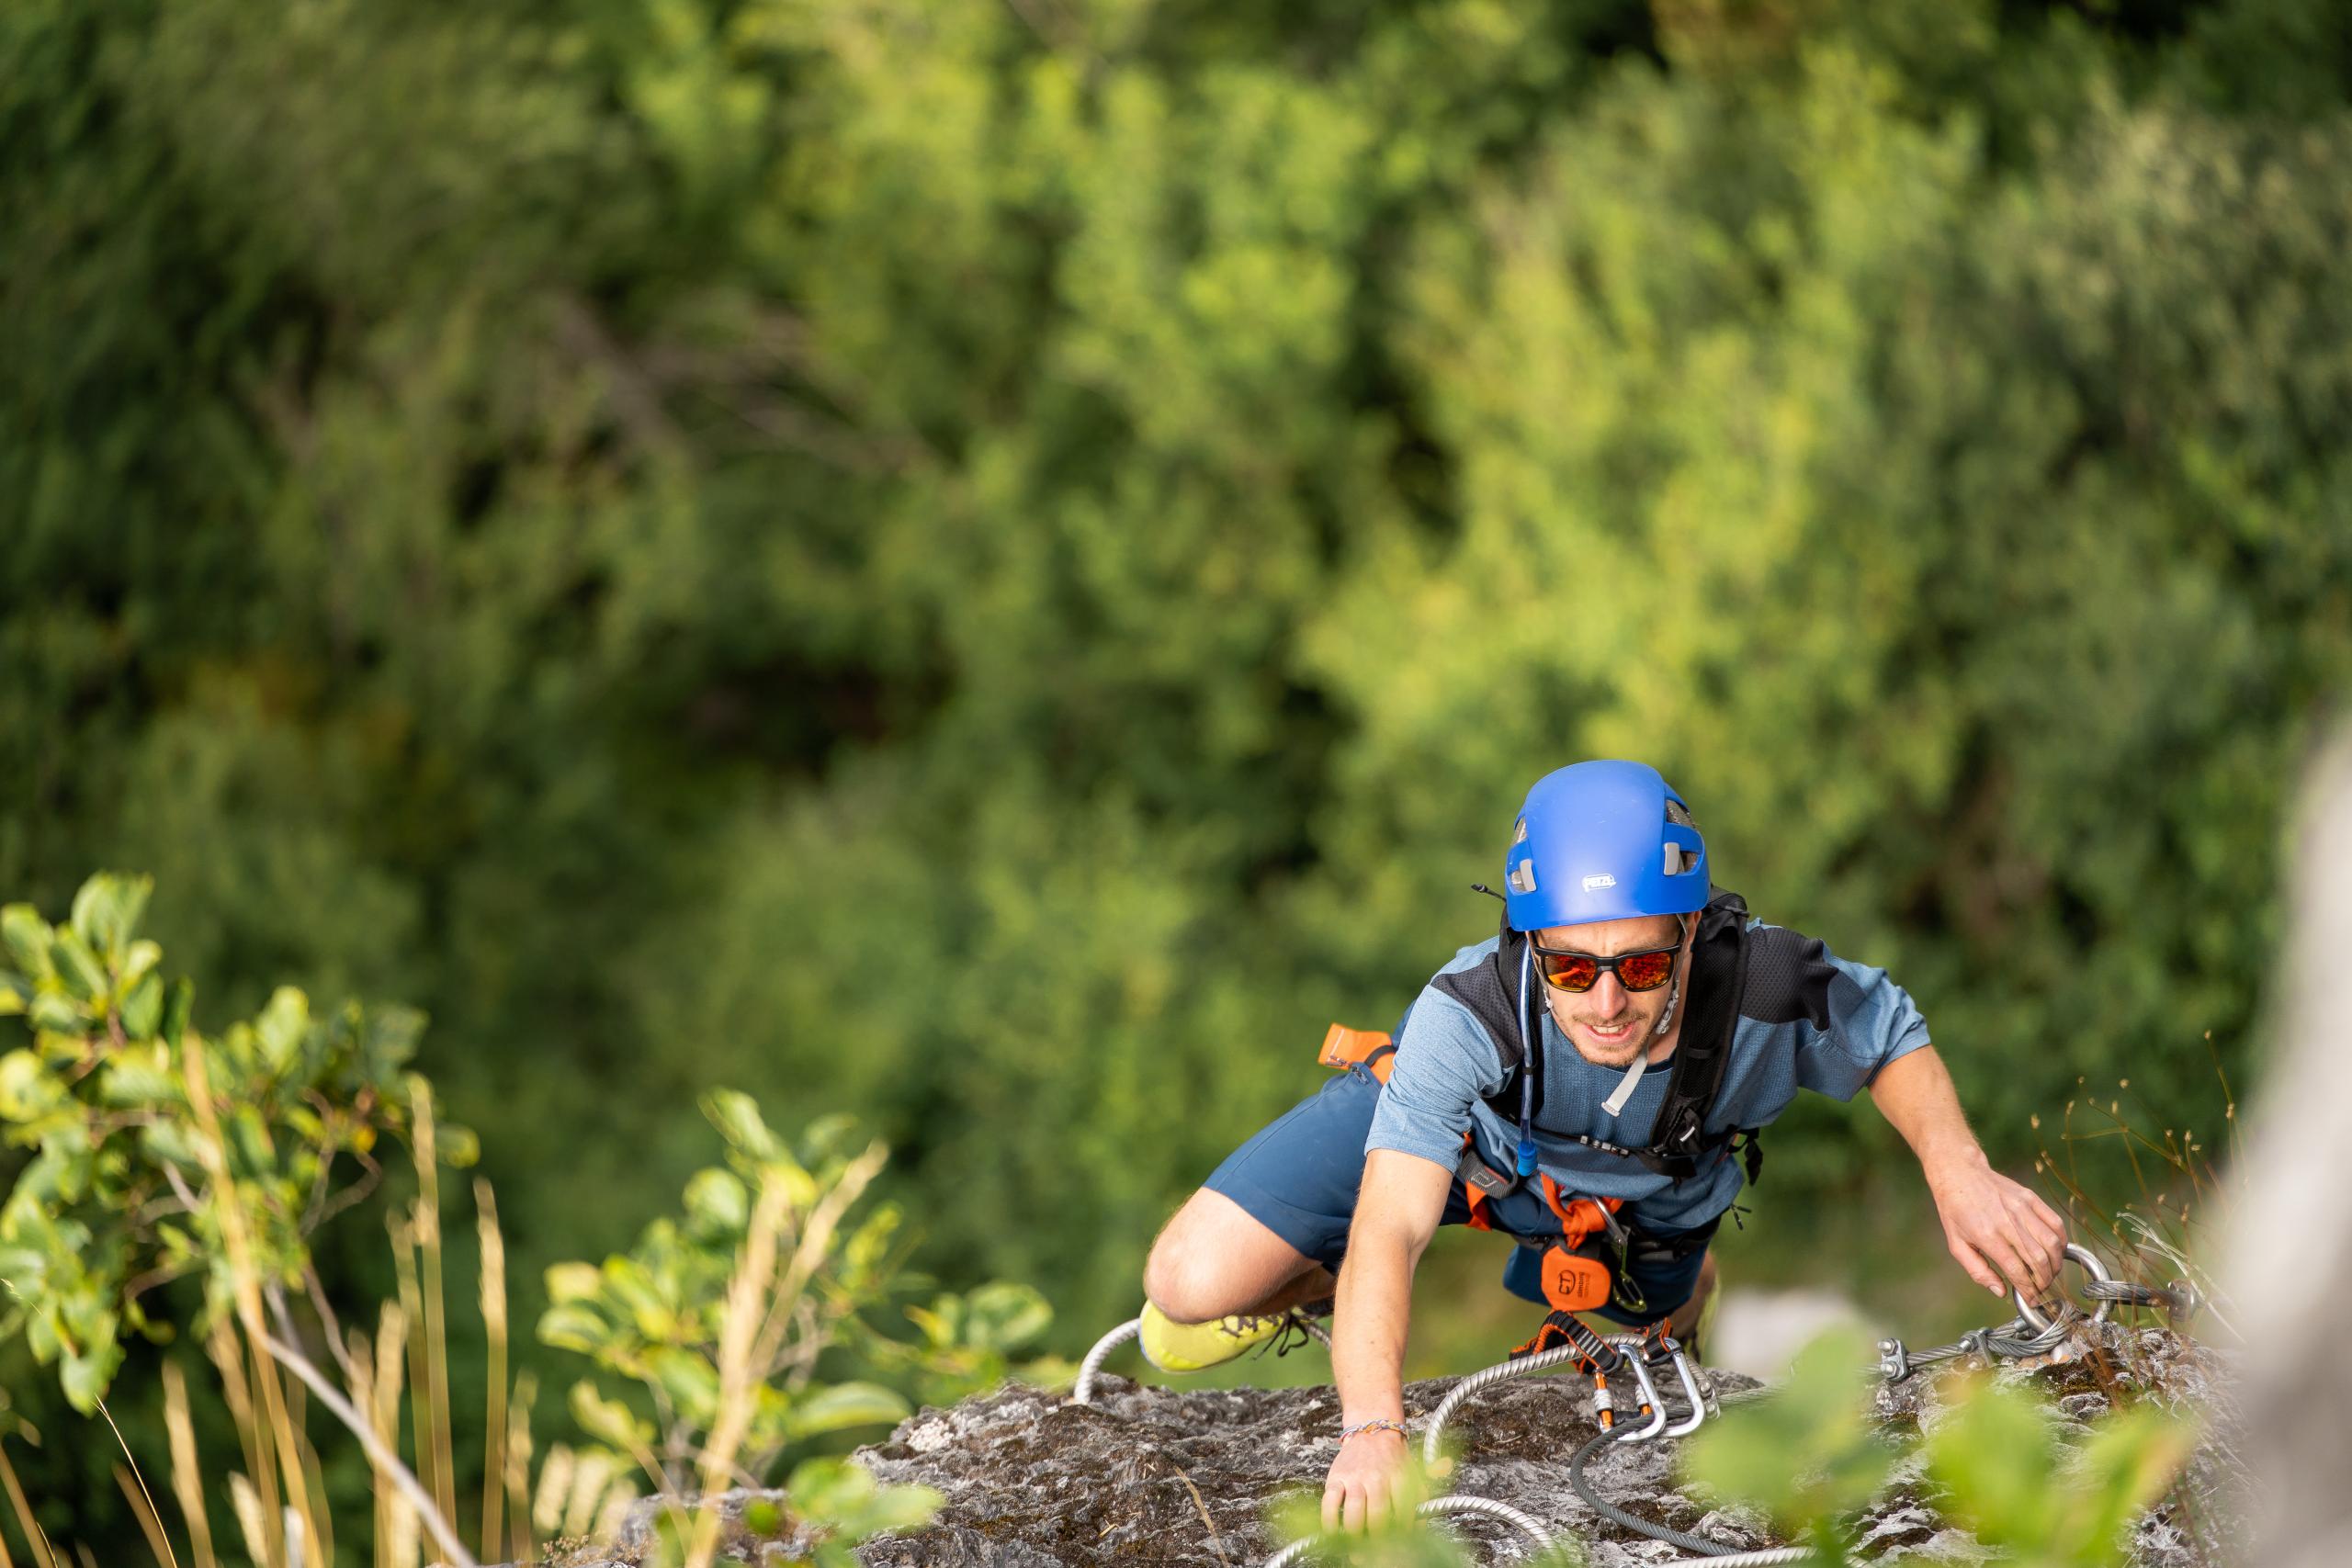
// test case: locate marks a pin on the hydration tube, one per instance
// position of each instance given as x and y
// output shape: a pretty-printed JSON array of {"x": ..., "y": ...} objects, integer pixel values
[{"x": 1526, "y": 1064}]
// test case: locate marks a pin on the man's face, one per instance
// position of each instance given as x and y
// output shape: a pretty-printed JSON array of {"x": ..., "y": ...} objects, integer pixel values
[{"x": 1609, "y": 1025}]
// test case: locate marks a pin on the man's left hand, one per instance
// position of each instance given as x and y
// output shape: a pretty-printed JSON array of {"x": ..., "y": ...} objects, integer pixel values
[{"x": 1999, "y": 1231}]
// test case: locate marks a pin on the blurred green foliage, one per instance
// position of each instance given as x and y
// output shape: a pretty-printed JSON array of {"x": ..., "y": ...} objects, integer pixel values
[
  {"x": 2005, "y": 1464},
  {"x": 1808, "y": 1455},
  {"x": 116, "y": 1200},
  {"x": 659, "y": 1316},
  {"x": 996, "y": 566}
]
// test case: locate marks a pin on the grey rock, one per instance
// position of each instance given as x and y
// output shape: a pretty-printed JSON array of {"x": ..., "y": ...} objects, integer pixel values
[{"x": 1169, "y": 1475}]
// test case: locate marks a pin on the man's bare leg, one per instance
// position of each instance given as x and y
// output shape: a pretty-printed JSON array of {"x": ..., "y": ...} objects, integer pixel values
[
  {"x": 1214, "y": 1259},
  {"x": 1683, "y": 1322}
]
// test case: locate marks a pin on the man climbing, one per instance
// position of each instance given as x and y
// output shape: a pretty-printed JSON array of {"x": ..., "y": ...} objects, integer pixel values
[{"x": 1581, "y": 1082}]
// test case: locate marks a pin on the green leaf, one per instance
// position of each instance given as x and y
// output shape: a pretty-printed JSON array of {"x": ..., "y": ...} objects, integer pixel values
[
  {"x": 87, "y": 1372},
  {"x": 846, "y": 1500},
  {"x": 171, "y": 1143},
  {"x": 2129, "y": 1460},
  {"x": 28, "y": 938},
  {"x": 690, "y": 1383},
  {"x": 78, "y": 968},
  {"x": 845, "y": 1404},
  {"x": 572, "y": 1282},
  {"x": 143, "y": 1007},
  {"x": 139, "y": 961},
  {"x": 28, "y": 1089},
  {"x": 107, "y": 911},
  {"x": 1807, "y": 1453},
  {"x": 1003, "y": 1315},
  {"x": 15, "y": 994},
  {"x": 608, "y": 1420},
  {"x": 57, "y": 1013},
  {"x": 177, "y": 1004},
  {"x": 572, "y": 1327},
  {"x": 23, "y": 1270},
  {"x": 458, "y": 1147},
  {"x": 1997, "y": 1451},
  {"x": 281, "y": 1028},
  {"x": 719, "y": 1201},
  {"x": 736, "y": 1117},
  {"x": 139, "y": 1076}
]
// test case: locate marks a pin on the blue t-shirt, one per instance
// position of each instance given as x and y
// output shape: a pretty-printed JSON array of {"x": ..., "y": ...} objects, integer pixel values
[{"x": 1856, "y": 1022}]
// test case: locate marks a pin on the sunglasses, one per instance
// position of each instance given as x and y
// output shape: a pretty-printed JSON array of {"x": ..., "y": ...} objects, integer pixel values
[{"x": 1566, "y": 971}]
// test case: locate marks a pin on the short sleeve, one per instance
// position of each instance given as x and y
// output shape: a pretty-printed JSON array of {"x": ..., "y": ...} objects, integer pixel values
[
  {"x": 1445, "y": 1062},
  {"x": 1852, "y": 1020}
]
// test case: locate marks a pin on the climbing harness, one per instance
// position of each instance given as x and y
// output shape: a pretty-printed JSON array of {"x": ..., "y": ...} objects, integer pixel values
[
  {"x": 1658, "y": 1405},
  {"x": 1589, "y": 1264}
]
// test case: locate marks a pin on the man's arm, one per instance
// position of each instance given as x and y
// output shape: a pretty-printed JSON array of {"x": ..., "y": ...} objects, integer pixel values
[
  {"x": 1994, "y": 1226},
  {"x": 1398, "y": 1210}
]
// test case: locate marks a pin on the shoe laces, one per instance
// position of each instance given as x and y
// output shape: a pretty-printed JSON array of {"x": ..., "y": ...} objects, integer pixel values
[{"x": 1296, "y": 1330}]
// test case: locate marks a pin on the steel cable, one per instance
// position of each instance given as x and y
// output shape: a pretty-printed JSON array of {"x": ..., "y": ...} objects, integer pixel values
[{"x": 1485, "y": 1508}]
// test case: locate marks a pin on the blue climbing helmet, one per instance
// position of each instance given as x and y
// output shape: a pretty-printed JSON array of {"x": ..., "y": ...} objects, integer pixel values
[{"x": 1602, "y": 840}]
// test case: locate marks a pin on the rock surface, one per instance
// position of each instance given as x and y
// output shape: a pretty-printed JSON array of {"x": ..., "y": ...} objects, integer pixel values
[{"x": 1168, "y": 1475}]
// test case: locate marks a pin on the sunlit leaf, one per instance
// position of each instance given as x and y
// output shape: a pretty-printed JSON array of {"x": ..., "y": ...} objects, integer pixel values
[{"x": 846, "y": 1405}]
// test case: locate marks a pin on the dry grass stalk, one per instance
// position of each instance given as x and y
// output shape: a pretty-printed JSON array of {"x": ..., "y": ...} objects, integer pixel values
[
  {"x": 436, "y": 1383},
  {"x": 228, "y": 1358},
  {"x": 518, "y": 1467},
  {"x": 494, "y": 1317},
  {"x": 142, "y": 1508},
  {"x": 738, "y": 1379},
  {"x": 245, "y": 1502},
  {"x": 411, "y": 1305},
  {"x": 187, "y": 1484},
  {"x": 246, "y": 1276},
  {"x": 555, "y": 1487},
  {"x": 143, "y": 1504},
  {"x": 37, "y": 1542}
]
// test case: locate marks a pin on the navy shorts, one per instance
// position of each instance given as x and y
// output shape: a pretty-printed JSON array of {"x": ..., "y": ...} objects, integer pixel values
[{"x": 1298, "y": 1177}]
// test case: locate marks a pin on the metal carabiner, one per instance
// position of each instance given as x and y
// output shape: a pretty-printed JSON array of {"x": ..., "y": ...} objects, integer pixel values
[
  {"x": 2090, "y": 1264},
  {"x": 1650, "y": 1402},
  {"x": 1691, "y": 1388}
]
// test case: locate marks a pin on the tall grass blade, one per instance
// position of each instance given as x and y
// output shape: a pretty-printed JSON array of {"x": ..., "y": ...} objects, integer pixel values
[
  {"x": 412, "y": 1307},
  {"x": 494, "y": 1317},
  {"x": 246, "y": 1504},
  {"x": 35, "y": 1542},
  {"x": 143, "y": 1505},
  {"x": 437, "y": 1329},
  {"x": 555, "y": 1486},
  {"x": 187, "y": 1480},
  {"x": 518, "y": 1467},
  {"x": 142, "y": 1508}
]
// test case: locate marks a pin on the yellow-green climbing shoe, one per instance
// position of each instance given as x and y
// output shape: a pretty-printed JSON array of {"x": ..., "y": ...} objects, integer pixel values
[{"x": 1175, "y": 1347}]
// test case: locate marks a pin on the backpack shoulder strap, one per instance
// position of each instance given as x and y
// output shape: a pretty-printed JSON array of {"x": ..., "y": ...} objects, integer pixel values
[{"x": 1719, "y": 961}]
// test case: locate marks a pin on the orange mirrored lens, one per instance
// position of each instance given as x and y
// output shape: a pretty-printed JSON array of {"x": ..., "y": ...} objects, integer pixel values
[
  {"x": 1569, "y": 972},
  {"x": 1645, "y": 971}
]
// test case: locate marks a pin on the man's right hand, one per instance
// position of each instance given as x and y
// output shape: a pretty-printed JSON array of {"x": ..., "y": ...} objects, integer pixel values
[{"x": 1366, "y": 1481}]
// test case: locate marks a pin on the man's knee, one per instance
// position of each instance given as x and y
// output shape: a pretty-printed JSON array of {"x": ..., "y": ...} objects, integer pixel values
[{"x": 1214, "y": 1258}]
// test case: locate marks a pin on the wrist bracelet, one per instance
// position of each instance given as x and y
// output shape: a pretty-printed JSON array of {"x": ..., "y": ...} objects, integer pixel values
[{"x": 1384, "y": 1424}]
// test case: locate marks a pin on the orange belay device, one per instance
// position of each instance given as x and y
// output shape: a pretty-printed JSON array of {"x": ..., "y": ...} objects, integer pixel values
[{"x": 1576, "y": 1270}]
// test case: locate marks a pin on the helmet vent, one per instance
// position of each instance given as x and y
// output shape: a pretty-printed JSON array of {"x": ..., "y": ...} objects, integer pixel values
[{"x": 1522, "y": 877}]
